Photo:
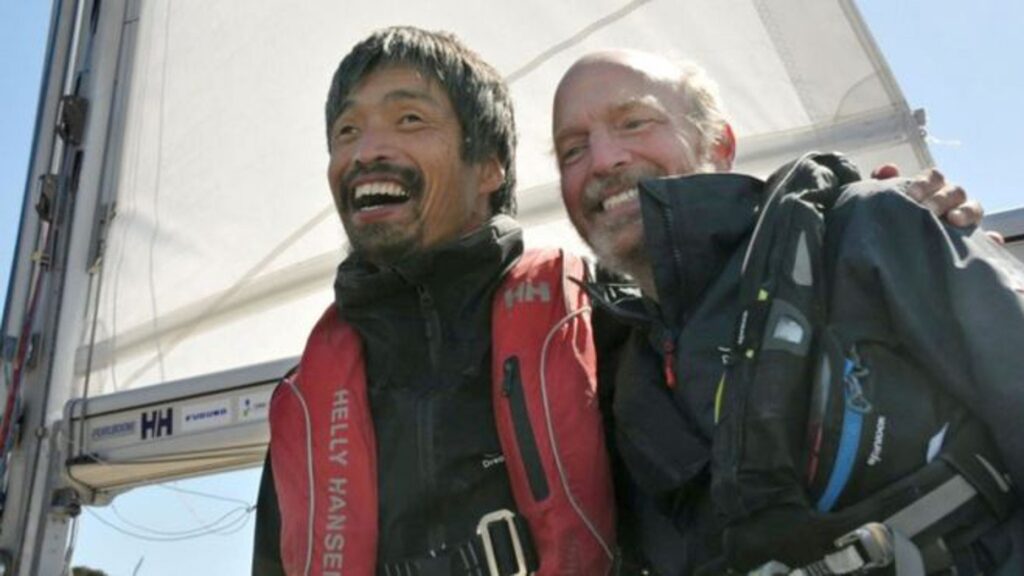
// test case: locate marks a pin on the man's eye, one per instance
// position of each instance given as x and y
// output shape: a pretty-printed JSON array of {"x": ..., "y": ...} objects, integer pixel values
[
  {"x": 635, "y": 123},
  {"x": 344, "y": 131},
  {"x": 410, "y": 118},
  {"x": 571, "y": 154}
]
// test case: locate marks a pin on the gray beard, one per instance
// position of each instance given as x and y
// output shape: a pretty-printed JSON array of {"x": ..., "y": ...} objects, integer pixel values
[{"x": 634, "y": 263}]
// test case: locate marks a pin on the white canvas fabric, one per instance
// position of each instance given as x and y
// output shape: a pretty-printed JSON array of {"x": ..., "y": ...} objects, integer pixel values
[{"x": 223, "y": 249}]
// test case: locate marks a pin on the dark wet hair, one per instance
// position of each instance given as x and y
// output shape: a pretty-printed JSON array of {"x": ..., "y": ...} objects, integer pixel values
[{"x": 477, "y": 92}]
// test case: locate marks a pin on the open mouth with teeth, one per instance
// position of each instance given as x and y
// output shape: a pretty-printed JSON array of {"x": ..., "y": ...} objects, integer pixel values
[
  {"x": 612, "y": 202},
  {"x": 373, "y": 195}
]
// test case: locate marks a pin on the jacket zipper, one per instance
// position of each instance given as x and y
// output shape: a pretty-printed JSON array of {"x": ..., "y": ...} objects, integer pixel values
[
  {"x": 512, "y": 389},
  {"x": 668, "y": 343},
  {"x": 425, "y": 429},
  {"x": 677, "y": 256},
  {"x": 668, "y": 350},
  {"x": 432, "y": 326},
  {"x": 425, "y": 412}
]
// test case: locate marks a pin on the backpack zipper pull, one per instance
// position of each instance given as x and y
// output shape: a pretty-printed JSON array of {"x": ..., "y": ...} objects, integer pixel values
[
  {"x": 728, "y": 360},
  {"x": 728, "y": 357}
]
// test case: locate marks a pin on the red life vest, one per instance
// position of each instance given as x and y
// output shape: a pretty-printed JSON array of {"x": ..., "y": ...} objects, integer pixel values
[{"x": 323, "y": 448}]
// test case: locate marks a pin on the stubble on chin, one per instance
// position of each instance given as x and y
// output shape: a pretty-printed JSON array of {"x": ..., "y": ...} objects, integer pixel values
[{"x": 383, "y": 243}]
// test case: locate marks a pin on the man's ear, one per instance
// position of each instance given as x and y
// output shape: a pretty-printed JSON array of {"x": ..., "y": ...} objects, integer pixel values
[
  {"x": 723, "y": 151},
  {"x": 492, "y": 176}
]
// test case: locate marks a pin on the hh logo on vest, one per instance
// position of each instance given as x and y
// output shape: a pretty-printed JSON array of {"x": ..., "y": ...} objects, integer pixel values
[{"x": 527, "y": 292}]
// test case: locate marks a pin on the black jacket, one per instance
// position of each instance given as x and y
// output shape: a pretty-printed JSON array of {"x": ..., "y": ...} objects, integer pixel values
[
  {"x": 664, "y": 435},
  {"x": 426, "y": 325},
  {"x": 899, "y": 275}
]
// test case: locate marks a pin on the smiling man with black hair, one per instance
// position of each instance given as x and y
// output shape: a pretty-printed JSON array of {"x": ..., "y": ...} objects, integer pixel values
[{"x": 411, "y": 438}]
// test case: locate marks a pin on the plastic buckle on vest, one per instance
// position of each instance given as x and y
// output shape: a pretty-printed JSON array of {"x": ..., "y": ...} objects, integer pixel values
[
  {"x": 866, "y": 548},
  {"x": 483, "y": 530}
]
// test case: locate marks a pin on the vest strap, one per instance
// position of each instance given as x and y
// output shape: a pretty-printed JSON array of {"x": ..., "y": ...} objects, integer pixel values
[
  {"x": 501, "y": 547},
  {"x": 877, "y": 545}
]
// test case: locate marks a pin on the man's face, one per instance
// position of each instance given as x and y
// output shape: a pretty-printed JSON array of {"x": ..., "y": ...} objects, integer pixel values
[
  {"x": 613, "y": 126},
  {"x": 396, "y": 170}
]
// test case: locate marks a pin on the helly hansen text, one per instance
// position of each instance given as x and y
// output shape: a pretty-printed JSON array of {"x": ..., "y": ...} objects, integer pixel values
[{"x": 333, "y": 559}]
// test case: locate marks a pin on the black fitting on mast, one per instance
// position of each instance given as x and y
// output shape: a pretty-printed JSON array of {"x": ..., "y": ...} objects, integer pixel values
[{"x": 71, "y": 126}]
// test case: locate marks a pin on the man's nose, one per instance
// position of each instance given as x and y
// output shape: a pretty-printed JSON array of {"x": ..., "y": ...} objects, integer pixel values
[
  {"x": 607, "y": 154},
  {"x": 373, "y": 146}
]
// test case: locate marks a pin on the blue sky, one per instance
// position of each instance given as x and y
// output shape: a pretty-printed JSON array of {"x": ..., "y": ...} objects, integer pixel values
[{"x": 958, "y": 60}]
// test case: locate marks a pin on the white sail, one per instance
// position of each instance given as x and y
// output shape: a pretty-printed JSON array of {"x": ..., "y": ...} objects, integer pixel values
[{"x": 222, "y": 251}]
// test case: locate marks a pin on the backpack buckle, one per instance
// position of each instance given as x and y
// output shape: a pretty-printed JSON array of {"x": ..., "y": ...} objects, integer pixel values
[
  {"x": 873, "y": 543},
  {"x": 483, "y": 530}
]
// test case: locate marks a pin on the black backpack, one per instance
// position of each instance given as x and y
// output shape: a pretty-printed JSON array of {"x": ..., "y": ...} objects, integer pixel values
[{"x": 818, "y": 433}]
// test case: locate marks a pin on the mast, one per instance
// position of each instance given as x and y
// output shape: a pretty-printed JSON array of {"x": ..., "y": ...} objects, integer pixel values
[{"x": 55, "y": 271}]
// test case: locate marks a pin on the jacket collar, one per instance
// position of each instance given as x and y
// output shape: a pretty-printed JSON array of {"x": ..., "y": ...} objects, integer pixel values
[
  {"x": 692, "y": 226},
  {"x": 474, "y": 259}
]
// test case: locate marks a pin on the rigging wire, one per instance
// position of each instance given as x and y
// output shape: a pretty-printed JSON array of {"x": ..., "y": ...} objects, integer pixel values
[
  {"x": 203, "y": 494},
  {"x": 187, "y": 506},
  {"x": 5, "y": 447},
  {"x": 221, "y": 523},
  {"x": 226, "y": 530},
  {"x": 21, "y": 354},
  {"x": 227, "y": 523},
  {"x": 12, "y": 403}
]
